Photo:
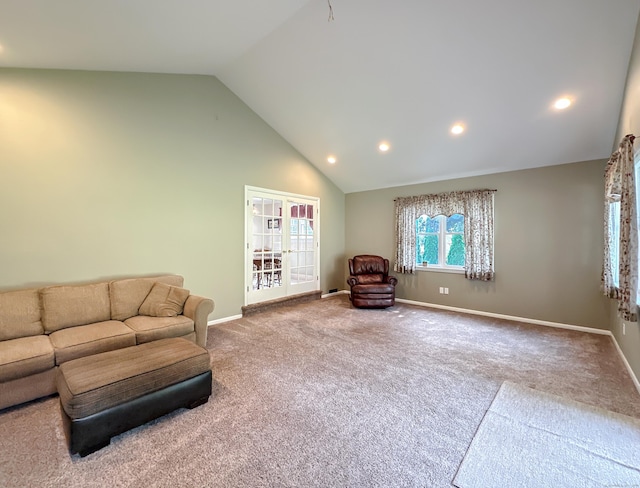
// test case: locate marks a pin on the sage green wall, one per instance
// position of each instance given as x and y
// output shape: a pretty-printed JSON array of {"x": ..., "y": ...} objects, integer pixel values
[
  {"x": 117, "y": 174},
  {"x": 629, "y": 124},
  {"x": 548, "y": 244}
]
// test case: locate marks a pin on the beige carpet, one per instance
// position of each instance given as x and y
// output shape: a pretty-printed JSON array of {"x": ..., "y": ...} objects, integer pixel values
[
  {"x": 531, "y": 439},
  {"x": 320, "y": 395}
]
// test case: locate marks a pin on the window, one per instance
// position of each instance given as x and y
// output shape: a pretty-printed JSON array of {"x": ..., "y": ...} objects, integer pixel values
[
  {"x": 423, "y": 234},
  {"x": 440, "y": 242},
  {"x": 614, "y": 216}
]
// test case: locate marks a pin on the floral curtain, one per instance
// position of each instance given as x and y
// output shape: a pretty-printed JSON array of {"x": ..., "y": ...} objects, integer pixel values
[
  {"x": 477, "y": 208},
  {"x": 619, "y": 182}
]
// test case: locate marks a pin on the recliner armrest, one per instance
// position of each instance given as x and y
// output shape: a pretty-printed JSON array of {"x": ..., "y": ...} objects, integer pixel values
[
  {"x": 352, "y": 281},
  {"x": 392, "y": 280}
]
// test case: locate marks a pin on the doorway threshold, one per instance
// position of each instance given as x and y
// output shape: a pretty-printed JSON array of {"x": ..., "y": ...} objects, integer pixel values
[{"x": 269, "y": 305}]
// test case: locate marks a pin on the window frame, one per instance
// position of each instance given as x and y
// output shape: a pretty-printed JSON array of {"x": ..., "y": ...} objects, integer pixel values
[{"x": 442, "y": 266}]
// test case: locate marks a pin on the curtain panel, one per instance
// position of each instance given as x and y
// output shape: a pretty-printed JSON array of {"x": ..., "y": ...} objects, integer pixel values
[
  {"x": 620, "y": 188},
  {"x": 477, "y": 208}
]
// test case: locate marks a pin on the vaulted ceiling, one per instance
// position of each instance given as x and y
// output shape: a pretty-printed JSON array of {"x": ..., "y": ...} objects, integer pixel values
[{"x": 402, "y": 72}]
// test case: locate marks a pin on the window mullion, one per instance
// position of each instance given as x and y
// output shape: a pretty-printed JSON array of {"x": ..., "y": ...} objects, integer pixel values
[{"x": 443, "y": 240}]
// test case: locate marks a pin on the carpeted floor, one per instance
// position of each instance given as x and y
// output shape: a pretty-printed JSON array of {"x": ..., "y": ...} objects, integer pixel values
[{"x": 324, "y": 395}]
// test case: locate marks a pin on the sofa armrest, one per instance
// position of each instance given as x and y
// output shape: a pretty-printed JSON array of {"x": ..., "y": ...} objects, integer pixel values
[{"x": 198, "y": 309}]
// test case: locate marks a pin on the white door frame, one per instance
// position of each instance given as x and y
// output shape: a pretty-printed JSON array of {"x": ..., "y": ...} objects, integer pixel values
[{"x": 248, "y": 268}]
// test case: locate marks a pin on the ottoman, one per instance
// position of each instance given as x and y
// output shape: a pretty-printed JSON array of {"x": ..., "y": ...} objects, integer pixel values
[{"x": 106, "y": 394}]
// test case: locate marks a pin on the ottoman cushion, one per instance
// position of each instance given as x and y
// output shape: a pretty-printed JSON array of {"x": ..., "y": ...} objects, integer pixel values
[{"x": 95, "y": 383}]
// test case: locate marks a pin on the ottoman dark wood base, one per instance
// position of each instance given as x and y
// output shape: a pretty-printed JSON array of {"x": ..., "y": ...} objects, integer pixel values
[{"x": 127, "y": 388}]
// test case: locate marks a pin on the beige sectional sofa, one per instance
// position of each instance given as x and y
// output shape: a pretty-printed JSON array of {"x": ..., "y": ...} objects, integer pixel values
[{"x": 41, "y": 328}]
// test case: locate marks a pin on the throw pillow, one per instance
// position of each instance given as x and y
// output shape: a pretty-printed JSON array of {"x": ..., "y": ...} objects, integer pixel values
[{"x": 164, "y": 301}]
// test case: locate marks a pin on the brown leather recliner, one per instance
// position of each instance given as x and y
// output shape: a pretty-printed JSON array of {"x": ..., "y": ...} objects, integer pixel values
[{"x": 371, "y": 285}]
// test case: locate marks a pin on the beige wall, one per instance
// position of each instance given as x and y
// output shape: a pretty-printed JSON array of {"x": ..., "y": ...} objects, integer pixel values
[
  {"x": 118, "y": 174},
  {"x": 548, "y": 244},
  {"x": 629, "y": 124}
]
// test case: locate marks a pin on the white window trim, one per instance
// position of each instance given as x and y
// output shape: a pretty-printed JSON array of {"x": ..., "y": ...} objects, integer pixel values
[{"x": 439, "y": 269}]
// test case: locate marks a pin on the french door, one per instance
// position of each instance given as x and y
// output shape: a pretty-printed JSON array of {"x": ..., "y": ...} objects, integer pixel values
[{"x": 282, "y": 244}]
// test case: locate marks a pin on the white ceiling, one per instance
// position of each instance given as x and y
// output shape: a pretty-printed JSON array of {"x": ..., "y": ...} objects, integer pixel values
[{"x": 401, "y": 71}]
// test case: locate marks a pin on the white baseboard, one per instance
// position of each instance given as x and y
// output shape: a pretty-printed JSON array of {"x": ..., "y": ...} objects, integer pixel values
[
  {"x": 626, "y": 363},
  {"x": 224, "y": 319},
  {"x": 590, "y": 330}
]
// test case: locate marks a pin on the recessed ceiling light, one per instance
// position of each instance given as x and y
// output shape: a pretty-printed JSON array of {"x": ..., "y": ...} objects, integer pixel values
[
  {"x": 562, "y": 103},
  {"x": 332, "y": 159},
  {"x": 457, "y": 129},
  {"x": 384, "y": 146}
]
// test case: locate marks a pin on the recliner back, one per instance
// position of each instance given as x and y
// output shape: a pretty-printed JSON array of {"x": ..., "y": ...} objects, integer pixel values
[{"x": 368, "y": 264}]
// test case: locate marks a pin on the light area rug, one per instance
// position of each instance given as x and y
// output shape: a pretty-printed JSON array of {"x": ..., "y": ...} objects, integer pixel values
[{"x": 530, "y": 438}]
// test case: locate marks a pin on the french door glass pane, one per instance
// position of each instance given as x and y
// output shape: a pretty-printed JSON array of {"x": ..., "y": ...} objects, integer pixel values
[
  {"x": 267, "y": 242},
  {"x": 301, "y": 259}
]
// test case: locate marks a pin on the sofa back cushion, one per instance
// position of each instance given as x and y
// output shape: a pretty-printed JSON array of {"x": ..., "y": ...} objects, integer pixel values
[
  {"x": 20, "y": 314},
  {"x": 69, "y": 306},
  {"x": 127, "y": 295}
]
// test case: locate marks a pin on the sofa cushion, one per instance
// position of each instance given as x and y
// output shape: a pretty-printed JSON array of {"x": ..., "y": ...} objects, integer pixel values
[
  {"x": 149, "y": 329},
  {"x": 25, "y": 356},
  {"x": 69, "y": 306},
  {"x": 127, "y": 295},
  {"x": 164, "y": 301},
  {"x": 20, "y": 314},
  {"x": 84, "y": 340}
]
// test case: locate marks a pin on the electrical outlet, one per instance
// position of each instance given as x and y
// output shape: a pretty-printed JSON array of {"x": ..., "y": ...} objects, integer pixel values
[
  {"x": 441, "y": 290},
  {"x": 446, "y": 291}
]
